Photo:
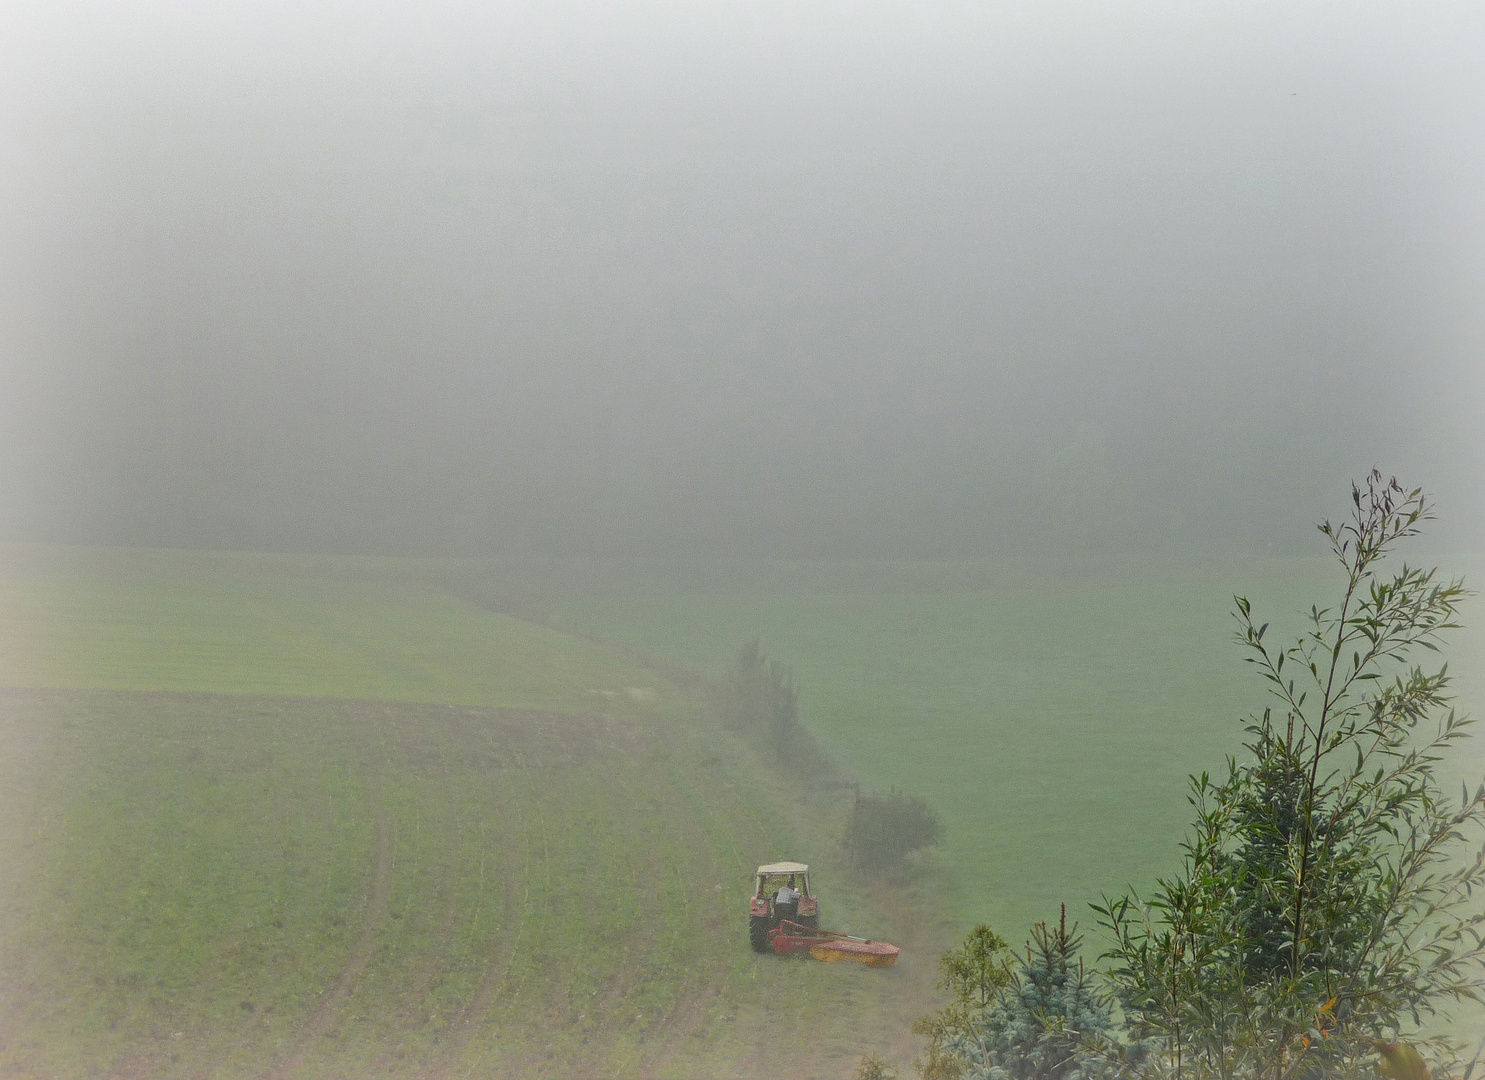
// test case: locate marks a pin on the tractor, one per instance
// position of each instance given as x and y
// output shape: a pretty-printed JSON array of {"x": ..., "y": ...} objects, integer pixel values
[{"x": 764, "y": 911}]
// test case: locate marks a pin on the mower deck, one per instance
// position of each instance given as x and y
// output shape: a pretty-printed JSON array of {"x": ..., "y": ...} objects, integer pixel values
[{"x": 831, "y": 947}]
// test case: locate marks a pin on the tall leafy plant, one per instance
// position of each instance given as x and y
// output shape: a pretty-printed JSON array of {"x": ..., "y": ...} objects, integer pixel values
[{"x": 1327, "y": 904}]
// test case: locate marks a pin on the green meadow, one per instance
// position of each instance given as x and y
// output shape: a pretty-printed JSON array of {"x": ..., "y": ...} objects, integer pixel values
[
  {"x": 1052, "y": 723},
  {"x": 289, "y": 816},
  {"x": 271, "y": 816},
  {"x": 371, "y": 629}
]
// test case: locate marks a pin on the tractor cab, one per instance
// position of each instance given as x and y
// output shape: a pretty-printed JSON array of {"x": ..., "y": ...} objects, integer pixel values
[{"x": 765, "y": 909}]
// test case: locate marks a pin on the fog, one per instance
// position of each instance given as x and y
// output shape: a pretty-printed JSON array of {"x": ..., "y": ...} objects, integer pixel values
[{"x": 757, "y": 279}]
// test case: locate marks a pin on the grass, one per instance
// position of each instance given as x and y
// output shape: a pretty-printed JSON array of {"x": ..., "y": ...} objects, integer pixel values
[
  {"x": 272, "y": 816},
  {"x": 367, "y": 630},
  {"x": 1053, "y": 724}
]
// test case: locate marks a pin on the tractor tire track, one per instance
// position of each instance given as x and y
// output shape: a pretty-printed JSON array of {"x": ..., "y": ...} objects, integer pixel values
[
  {"x": 378, "y": 901},
  {"x": 474, "y": 1013},
  {"x": 696, "y": 999},
  {"x": 622, "y": 980}
]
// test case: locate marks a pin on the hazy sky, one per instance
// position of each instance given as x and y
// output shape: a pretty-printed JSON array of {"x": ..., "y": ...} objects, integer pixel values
[{"x": 769, "y": 278}]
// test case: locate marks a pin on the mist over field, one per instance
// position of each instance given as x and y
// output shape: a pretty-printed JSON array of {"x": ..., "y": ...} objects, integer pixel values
[
  {"x": 491, "y": 492},
  {"x": 780, "y": 280}
]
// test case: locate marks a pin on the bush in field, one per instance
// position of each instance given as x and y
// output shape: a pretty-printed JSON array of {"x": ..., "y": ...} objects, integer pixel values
[
  {"x": 884, "y": 828},
  {"x": 874, "y": 1068},
  {"x": 1325, "y": 909}
]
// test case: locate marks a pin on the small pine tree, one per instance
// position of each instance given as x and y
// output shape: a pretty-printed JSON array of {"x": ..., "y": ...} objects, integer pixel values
[
  {"x": 1040, "y": 1026},
  {"x": 975, "y": 973}
]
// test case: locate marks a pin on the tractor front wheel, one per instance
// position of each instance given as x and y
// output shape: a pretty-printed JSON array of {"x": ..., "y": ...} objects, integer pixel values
[{"x": 758, "y": 933}]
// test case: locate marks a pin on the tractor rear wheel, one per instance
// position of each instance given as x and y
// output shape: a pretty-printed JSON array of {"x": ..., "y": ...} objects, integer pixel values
[
  {"x": 812, "y": 921},
  {"x": 758, "y": 933}
]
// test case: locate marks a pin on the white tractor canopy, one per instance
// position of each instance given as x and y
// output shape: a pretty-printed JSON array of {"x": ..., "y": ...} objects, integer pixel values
[
  {"x": 798, "y": 870},
  {"x": 783, "y": 869}
]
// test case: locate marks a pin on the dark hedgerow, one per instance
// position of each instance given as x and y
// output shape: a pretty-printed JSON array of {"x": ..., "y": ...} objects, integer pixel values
[
  {"x": 884, "y": 828},
  {"x": 759, "y": 700},
  {"x": 758, "y": 697}
]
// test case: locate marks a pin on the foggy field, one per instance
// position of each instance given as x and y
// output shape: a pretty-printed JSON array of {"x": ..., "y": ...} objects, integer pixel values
[
  {"x": 244, "y": 785},
  {"x": 1052, "y": 725},
  {"x": 545, "y": 871},
  {"x": 196, "y": 621},
  {"x": 410, "y": 412}
]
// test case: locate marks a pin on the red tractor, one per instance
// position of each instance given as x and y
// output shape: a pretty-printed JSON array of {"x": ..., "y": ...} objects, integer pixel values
[{"x": 766, "y": 910}]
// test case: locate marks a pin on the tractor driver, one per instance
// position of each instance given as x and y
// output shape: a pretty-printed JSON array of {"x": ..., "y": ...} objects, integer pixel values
[{"x": 786, "y": 901}]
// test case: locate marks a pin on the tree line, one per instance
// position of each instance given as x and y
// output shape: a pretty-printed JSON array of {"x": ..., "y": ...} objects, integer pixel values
[{"x": 758, "y": 698}]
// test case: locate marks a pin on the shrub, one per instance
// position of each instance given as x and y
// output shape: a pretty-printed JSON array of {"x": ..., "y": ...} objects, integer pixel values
[
  {"x": 874, "y": 1068},
  {"x": 884, "y": 828}
]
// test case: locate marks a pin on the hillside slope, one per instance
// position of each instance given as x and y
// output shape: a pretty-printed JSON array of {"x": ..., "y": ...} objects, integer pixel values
[{"x": 276, "y": 817}]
